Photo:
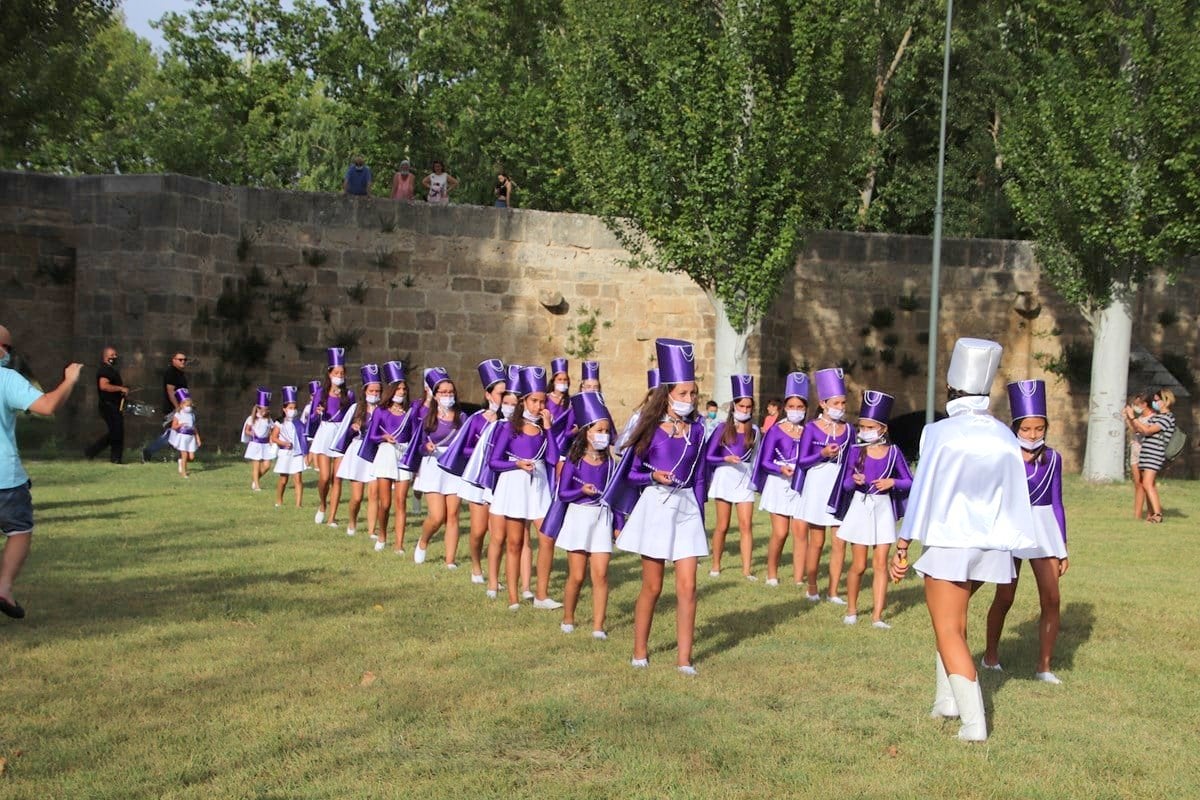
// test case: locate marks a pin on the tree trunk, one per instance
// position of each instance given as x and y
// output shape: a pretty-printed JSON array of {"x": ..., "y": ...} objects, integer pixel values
[
  {"x": 732, "y": 356},
  {"x": 882, "y": 78},
  {"x": 1104, "y": 458}
]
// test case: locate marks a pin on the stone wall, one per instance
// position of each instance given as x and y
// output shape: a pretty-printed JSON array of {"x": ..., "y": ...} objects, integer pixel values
[{"x": 255, "y": 283}]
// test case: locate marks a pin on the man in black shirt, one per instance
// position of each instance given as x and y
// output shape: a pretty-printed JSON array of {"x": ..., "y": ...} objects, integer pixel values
[
  {"x": 174, "y": 378},
  {"x": 112, "y": 393}
]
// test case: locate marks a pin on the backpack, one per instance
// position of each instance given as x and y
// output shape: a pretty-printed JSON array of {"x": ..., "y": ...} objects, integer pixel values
[{"x": 1176, "y": 444}]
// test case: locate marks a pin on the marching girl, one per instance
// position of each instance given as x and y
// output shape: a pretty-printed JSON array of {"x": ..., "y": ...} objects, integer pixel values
[
  {"x": 869, "y": 499},
  {"x": 358, "y": 472},
  {"x": 773, "y": 471},
  {"x": 184, "y": 437},
  {"x": 311, "y": 421},
  {"x": 480, "y": 473},
  {"x": 256, "y": 435},
  {"x": 817, "y": 469},
  {"x": 589, "y": 378},
  {"x": 969, "y": 506},
  {"x": 652, "y": 382},
  {"x": 1048, "y": 557},
  {"x": 729, "y": 456},
  {"x": 579, "y": 523},
  {"x": 477, "y": 432},
  {"x": 523, "y": 457},
  {"x": 335, "y": 404},
  {"x": 558, "y": 401},
  {"x": 660, "y": 486},
  {"x": 385, "y": 446},
  {"x": 439, "y": 487},
  {"x": 291, "y": 447}
]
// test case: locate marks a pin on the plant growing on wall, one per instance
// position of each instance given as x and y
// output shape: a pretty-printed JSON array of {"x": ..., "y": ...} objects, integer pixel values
[
  {"x": 583, "y": 335},
  {"x": 290, "y": 300},
  {"x": 358, "y": 292}
]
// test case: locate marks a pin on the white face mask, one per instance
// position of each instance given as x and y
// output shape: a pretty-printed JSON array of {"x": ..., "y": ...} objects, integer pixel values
[
  {"x": 507, "y": 411},
  {"x": 741, "y": 416},
  {"x": 534, "y": 418},
  {"x": 835, "y": 414},
  {"x": 561, "y": 387},
  {"x": 681, "y": 408},
  {"x": 372, "y": 399},
  {"x": 446, "y": 403},
  {"x": 867, "y": 437},
  {"x": 1031, "y": 446},
  {"x": 493, "y": 407},
  {"x": 260, "y": 414},
  {"x": 290, "y": 413},
  {"x": 399, "y": 398},
  {"x": 600, "y": 441},
  {"x": 795, "y": 416},
  {"x": 337, "y": 381}
]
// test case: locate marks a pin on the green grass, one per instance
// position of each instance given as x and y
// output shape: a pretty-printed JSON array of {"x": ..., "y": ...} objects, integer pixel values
[{"x": 187, "y": 640}]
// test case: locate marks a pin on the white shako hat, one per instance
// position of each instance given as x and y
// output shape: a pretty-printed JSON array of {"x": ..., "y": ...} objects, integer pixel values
[{"x": 973, "y": 365}]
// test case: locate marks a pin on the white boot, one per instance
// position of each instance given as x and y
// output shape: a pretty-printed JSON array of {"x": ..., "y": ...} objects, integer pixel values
[
  {"x": 969, "y": 697},
  {"x": 943, "y": 700}
]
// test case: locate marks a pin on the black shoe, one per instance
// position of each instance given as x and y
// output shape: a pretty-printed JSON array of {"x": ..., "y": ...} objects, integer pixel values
[
  {"x": 10, "y": 609},
  {"x": 145, "y": 456}
]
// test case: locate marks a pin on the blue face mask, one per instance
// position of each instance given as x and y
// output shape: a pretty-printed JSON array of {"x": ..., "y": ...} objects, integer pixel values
[
  {"x": 1157, "y": 406},
  {"x": 5, "y": 359}
]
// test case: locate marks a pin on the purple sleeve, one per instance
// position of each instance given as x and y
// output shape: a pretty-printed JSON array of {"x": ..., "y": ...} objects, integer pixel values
[
  {"x": 712, "y": 453},
  {"x": 640, "y": 473},
  {"x": 552, "y": 449},
  {"x": 498, "y": 458},
  {"x": 1056, "y": 501},
  {"x": 374, "y": 432},
  {"x": 766, "y": 454},
  {"x": 474, "y": 427},
  {"x": 903, "y": 477},
  {"x": 569, "y": 489},
  {"x": 810, "y": 448}
]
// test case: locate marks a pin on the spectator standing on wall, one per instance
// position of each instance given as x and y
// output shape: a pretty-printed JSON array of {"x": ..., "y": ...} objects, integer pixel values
[
  {"x": 358, "y": 178},
  {"x": 439, "y": 184},
  {"x": 16, "y": 503},
  {"x": 173, "y": 378},
  {"x": 111, "y": 391},
  {"x": 404, "y": 183},
  {"x": 504, "y": 189}
]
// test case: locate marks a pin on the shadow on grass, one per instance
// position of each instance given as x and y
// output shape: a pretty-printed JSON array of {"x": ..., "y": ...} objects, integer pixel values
[
  {"x": 1019, "y": 653},
  {"x": 727, "y": 631},
  {"x": 90, "y": 502}
]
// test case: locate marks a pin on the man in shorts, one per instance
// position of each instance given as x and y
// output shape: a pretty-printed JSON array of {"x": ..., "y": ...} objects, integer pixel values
[{"x": 16, "y": 504}]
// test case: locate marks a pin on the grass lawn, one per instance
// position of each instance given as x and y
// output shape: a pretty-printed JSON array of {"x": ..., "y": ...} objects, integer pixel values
[{"x": 185, "y": 639}]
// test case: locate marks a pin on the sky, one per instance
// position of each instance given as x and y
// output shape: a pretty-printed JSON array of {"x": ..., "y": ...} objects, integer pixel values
[{"x": 138, "y": 14}]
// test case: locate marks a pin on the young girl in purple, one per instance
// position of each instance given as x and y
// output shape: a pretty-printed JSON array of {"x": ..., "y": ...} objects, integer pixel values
[
  {"x": 660, "y": 487},
  {"x": 335, "y": 403},
  {"x": 439, "y": 487},
  {"x": 256, "y": 435},
  {"x": 869, "y": 499},
  {"x": 359, "y": 472},
  {"x": 523, "y": 458},
  {"x": 291, "y": 447},
  {"x": 821, "y": 449},
  {"x": 558, "y": 403},
  {"x": 729, "y": 458},
  {"x": 1048, "y": 557},
  {"x": 389, "y": 429},
  {"x": 578, "y": 522},
  {"x": 773, "y": 471}
]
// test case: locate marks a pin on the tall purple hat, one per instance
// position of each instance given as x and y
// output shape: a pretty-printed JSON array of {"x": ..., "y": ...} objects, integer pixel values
[
  {"x": 434, "y": 376},
  {"x": 877, "y": 406},
  {"x": 796, "y": 386},
  {"x": 289, "y": 393},
  {"x": 514, "y": 376},
  {"x": 652, "y": 378},
  {"x": 742, "y": 386},
  {"x": 335, "y": 356},
  {"x": 590, "y": 371},
  {"x": 1027, "y": 399},
  {"x": 393, "y": 371},
  {"x": 558, "y": 365},
  {"x": 830, "y": 383},
  {"x": 676, "y": 360},
  {"x": 491, "y": 372},
  {"x": 313, "y": 387},
  {"x": 588, "y": 408},
  {"x": 182, "y": 394},
  {"x": 531, "y": 379},
  {"x": 263, "y": 397},
  {"x": 369, "y": 373}
]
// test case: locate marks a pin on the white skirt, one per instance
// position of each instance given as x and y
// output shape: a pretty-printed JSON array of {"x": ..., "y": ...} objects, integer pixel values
[
  {"x": 289, "y": 462},
  {"x": 183, "y": 442},
  {"x": 471, "y": 493},
  {"x": 731, "y": 483},
  {"x": 665, "y": 523},
  {"x": 433, "y": 479},
  {"x": 966, "y": 564},
  {"x": 814, "y": 500},
  {"x": 326, "y": 433},
  {"x": 869, "y": 520},
  {"x": 778, "y": 497},
  {"x": 387, "y": 462},
  {"x": 587, "y": 528},
  {"x": 1049, "y": 539},
  {"x": 259, "y": 451},
  {"x": 522, "y": 495},
  {"x": 354, "y": 468}
]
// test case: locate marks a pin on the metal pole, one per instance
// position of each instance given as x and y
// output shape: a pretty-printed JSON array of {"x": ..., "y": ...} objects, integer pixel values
[{"x": 934, "y": 293}]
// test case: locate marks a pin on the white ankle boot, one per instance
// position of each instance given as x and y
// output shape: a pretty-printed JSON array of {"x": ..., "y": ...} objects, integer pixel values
[
  {"x": 943, "y": 700},
  {"x": 969, "y": 697}
]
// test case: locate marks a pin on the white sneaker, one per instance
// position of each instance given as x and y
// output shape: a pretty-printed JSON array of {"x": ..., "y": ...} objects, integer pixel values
[
  {"x": 812, "y": 598},
  {"x": 752, "y": 578},
  {"x": 567, "y": 627},
  {"x": 515, "y": 607},
  {"x": 477, "y": 578},
  {"x": 419, "y": 555},
  {"x": 398, "y": 552},
  {"x": 452, "y": 565},
  {"x": 334, "y": 525},
  {"x": 352, "y": 531},
  {"x": 548, "y": 603},
  {"x": 527, "y": 595},
  {"x": 714, "y": 573},
  {"x": 319, "y": 517},
  {"x": 379, "y": 546},
  {"x": 883, "y": 626},
  {"x": 991, "y": 667},
  {"x": 772, "y": 581},
  {"x": 491, "y": 594},
  {"x": 687, "y": 669},
  {"x": 850, "y": 619},
  {"x": 279, "y": 505},
  {"x": 1046, "y": 677},
  {"x": 640, "y": 663},
  {"x": 600, "y": 636},
  {"x": 837, "y": 601}
]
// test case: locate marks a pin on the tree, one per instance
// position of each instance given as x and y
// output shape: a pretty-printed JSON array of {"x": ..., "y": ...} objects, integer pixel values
[
  {"x": 1103, "y": 149},
  {"x": 709, "y": 135}
]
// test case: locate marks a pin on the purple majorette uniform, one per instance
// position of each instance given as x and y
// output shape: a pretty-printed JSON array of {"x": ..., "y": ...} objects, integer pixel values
[
  {"x": 1043, "y": 475},
  {"x": 867, "y": 515},
  {"x": 474, "y": 434},
  {"x": 519, "y": 494},
  {"x": 576, "y": 520},
  {"x": 183, "y": 438},
  {"x": 815, "y": 475},
  {"x": 256, "y": 430},
  {"x": 431, "y": 477},
  {"x": 309, "y": 417},
  {"x": 385, "y": 457},
  {"x": 665, "y": 522},
  {"x": 777, "y": 450},
  {"x": 336, "y": 409},
  {"x": 290, "y": 460},
  {"x": 727, "y": 481},
  {"x": 353, "y": 467}
]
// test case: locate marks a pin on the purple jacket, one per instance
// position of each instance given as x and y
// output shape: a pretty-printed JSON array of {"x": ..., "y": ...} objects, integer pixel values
[
  {"x": 812, "y": 442},
  {"x": 777, "y": 448},
  {"x": 892, "y": 465},
  {"x": 1045, "y": 486},
  {"x": 683, "y": 456}
]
